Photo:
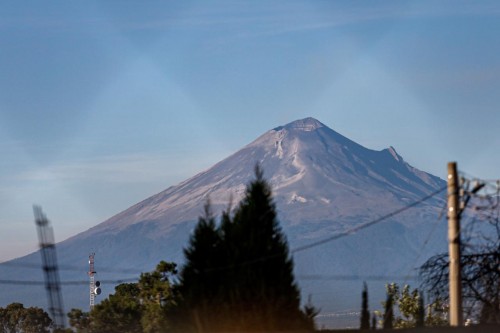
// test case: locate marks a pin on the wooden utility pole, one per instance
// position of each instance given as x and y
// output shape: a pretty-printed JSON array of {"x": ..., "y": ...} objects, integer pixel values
[{"x": 455, "y": 275}]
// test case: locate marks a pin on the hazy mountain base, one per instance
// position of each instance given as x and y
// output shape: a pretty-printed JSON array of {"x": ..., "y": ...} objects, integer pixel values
[{"x": 331, "y": 273}]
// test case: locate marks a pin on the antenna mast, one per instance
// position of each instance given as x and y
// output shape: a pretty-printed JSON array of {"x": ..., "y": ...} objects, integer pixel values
[
  {"x": 94, "y": 285},
  {"x": 92, "y": 272}
]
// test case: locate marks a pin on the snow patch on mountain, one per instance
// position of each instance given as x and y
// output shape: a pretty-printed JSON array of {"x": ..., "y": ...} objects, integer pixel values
[
  {"x": 306, "y": 124},
  {"x": 279, "y": 144},
  {"x": 324, "y": 200},
  {"x": 297, "y": 198},
  {"x": 394, "y": 154}
]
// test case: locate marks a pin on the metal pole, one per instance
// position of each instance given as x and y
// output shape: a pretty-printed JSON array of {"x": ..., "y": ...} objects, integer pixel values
[
  {"x": 455, "y": 276},
  {"x": 92, "y": 281}
]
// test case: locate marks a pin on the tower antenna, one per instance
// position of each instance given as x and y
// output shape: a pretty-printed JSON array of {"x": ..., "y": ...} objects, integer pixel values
[{"x": 94, "y": 285}]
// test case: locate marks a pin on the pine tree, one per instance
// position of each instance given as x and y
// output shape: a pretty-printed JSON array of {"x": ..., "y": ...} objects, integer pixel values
[
  {"x": 420, "y": 322},
  {"x": 239, "y": 276},
  {"x": 374, "y": 322},
  {"x": 268, "y": 297},
  {"x": 365, "y": 313},
  {"x": 200, "y": 281}
]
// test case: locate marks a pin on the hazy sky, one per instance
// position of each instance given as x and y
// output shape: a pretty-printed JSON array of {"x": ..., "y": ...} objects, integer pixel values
[{"x": 104, "y": 103}]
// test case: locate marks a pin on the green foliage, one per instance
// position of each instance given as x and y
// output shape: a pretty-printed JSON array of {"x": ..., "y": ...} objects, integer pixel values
[
  {"x": 239, "y": 275},
  {"x": 15, "y": 318},
  {"x": 437, "y": 313},
  {"x": 155, "y": 294},
  {"x": 408, "y": 302},
  {"x": 135, "y": 307},
  {"x": 62, "y": 330},
  {"x": 121, "y": 312},
  {"x": 411, "y": 308},
  {"x": 79, "y": 320}
]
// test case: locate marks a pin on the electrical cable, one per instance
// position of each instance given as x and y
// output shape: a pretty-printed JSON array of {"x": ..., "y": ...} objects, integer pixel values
[
  {"x": 355, "y": 277},
  {"x": 368, "y": 224},
  {"x": 70, "y": 268},
  {"x": 429, "y": 236},
  {"x": 332, "y": 238},
  {"x": 41, "y": 283}
]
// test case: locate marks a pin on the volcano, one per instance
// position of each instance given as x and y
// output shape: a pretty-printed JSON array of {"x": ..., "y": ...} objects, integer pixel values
[{"x": 324, "y": 185}]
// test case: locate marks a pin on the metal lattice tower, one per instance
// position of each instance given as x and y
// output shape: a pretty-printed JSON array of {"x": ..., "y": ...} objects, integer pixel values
[
  {"x": 92, "y": 273},
  {"x": 49, "y": 261}
]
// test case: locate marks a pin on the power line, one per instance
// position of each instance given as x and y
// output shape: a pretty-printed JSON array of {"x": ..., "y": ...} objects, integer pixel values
[
  {"x": 301, "y": 277},
  {"x": 368, "y": 224},
  {"x": 356, "y": 277},
  {"x": 332, "y": 238},
  {"x": 70, "y": 268},
  {"x": 41, "y": 283},
  {"x": 429, "y": 236}
]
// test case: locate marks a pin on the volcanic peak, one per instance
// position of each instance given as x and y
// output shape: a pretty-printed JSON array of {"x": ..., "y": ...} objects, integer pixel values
[
  {"x": 307, "y": 124},
  {"x": 394, "y": 153}
]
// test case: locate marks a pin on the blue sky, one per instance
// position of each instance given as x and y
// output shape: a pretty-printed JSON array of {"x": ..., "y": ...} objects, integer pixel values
[{"x": 104, "y": 103}]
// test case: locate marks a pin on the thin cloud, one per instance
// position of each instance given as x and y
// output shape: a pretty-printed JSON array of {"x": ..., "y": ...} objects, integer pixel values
[
  {"x": 134, "y": 168},
  {"x": 262, "y": 20}
]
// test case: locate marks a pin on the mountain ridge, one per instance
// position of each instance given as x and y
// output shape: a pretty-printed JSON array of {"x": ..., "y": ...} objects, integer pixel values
[{"x": 271, "y": 144}]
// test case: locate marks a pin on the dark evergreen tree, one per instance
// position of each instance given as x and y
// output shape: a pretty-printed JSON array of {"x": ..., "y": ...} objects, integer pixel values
[
  {"x": 266, "y": 296},
  {"x": 365, "y": 313},
  {"x": 388, "y": 312},
  {"x": 420, "y": 322},
  {"x": 200, "y": 278},
  {"x": 239, "y": 276},
  {"x": 374, "y": 322}
]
